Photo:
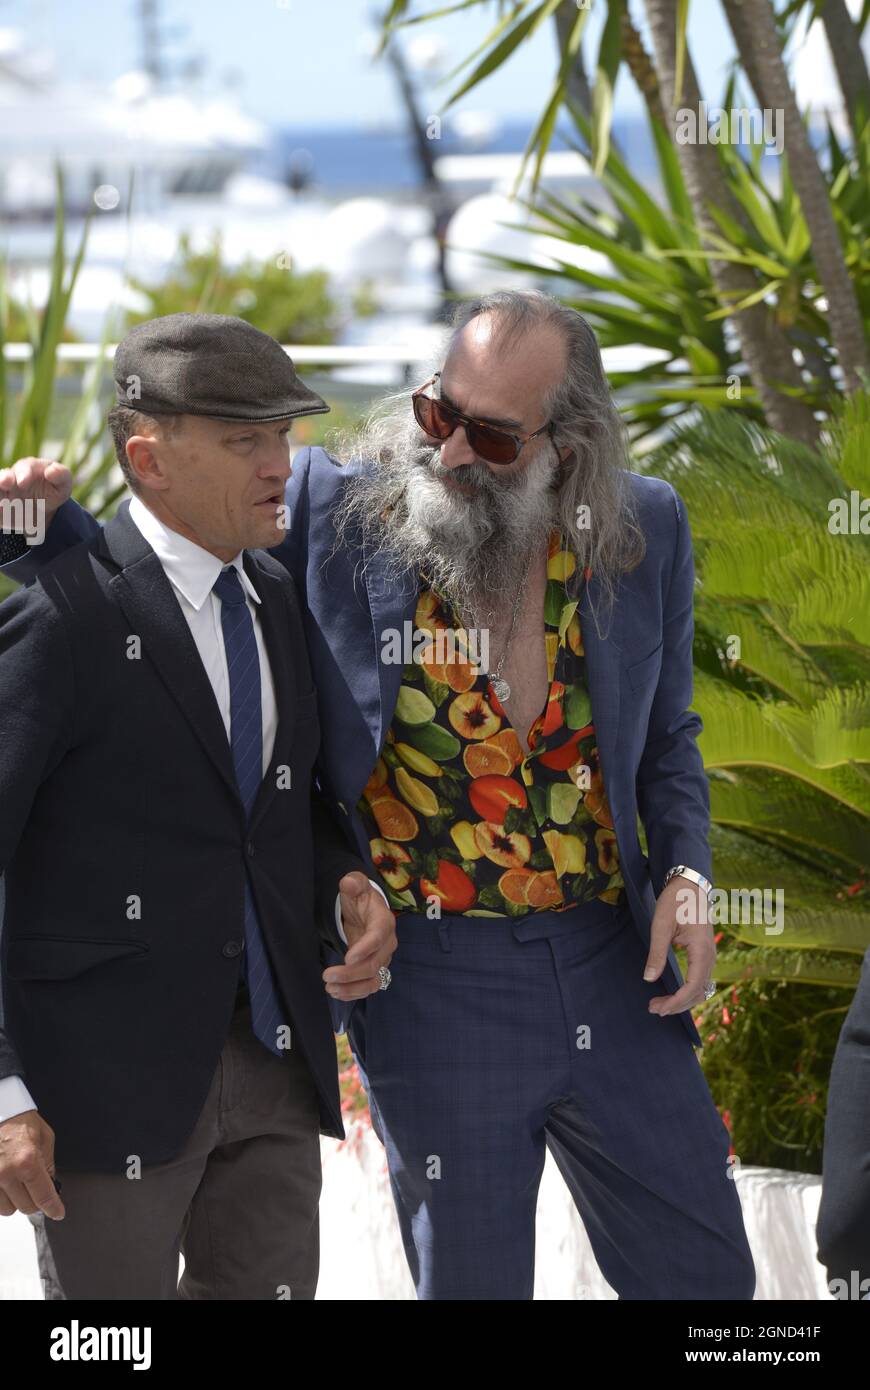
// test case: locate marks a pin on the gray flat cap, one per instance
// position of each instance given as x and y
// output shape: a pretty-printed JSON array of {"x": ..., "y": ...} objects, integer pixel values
[{"x": 209, "y": 364}]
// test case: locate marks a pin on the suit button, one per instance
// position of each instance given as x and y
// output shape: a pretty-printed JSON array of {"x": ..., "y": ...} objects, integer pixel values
[
  {"x": 249, "y": 849},
  {"x": 232, "y": 948}
]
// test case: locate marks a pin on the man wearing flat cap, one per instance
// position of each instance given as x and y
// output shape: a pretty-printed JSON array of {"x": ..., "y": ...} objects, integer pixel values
[
  {"x": 174, "y": 878},
  {"x": 538, "y": 1002}
]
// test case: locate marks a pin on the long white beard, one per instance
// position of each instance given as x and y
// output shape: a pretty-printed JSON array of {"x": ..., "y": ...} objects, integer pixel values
[{"x": 471, "y": 547}]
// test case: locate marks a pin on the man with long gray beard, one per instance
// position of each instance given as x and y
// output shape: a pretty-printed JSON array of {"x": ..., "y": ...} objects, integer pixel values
[{"x": 500, "y": 626}]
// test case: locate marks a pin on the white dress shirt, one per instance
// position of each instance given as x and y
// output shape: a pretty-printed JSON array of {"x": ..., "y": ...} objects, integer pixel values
[{"x": 192, "y": 572}]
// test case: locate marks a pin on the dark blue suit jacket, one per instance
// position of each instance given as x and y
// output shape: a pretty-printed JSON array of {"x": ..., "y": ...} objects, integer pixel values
[
  {"x": 117, "y": 781},
  {"x": 639, "y": 671}
]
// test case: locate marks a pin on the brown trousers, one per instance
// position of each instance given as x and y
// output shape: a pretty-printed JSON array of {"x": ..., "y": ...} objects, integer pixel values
[{"x": 240, "y": 1200}]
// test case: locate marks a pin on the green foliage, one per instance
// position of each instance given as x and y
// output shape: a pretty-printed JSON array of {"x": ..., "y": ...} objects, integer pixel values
[
  {"x": 25, "y": 416},
  {"x": 326, "y": 430},
  {"x": 276, "y": 299},
  {"x": 659, "y": 292},
  {"x": 648, "y": 297},
  {"x": 23, "y": 433},
  {"x": 517, "y": 21},
  {"x": 293, "y": 307},
  {"x": 783, "y": 646},
  {"x": 767, "y": 1056},
  {"x": 782, "y": 684}
]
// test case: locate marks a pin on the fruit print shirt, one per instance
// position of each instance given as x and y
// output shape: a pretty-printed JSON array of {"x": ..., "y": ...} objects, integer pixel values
[{"x": 455, "y": 811}]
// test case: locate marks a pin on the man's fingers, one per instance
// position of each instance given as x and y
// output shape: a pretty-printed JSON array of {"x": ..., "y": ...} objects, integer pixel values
[
  {"x": 356, "y": 979},
  {"x": 357, "y": 970},
  {"x": 46, "y": 1196},
  {"x": 699, "y": 963},
  {"x": 373, "y": 942},
  {"x": 352, "y": 887},
  {"x": 26, "y": 473},
  {"x": 28, "y": 1163},
  {"x": 18, "y": 1196},
  {"x": 685, "y": 998},
  {"x": 32, "y": 1194},
  {"x": 32, "y": 477},
  {"x": 28, "y": 1184},
  {"x": 660, "y": 937},
  {"x": 370, "y": 985},
  {"x": 368, "y": 922}
]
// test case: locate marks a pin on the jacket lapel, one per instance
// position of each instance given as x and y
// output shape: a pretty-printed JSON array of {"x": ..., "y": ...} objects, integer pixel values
[
  {"x": 392, "y": 605},
  {"x": 153, "y": 611},
  {"x": 273, "y": 616},
  {"x": 603, "y": 676}
]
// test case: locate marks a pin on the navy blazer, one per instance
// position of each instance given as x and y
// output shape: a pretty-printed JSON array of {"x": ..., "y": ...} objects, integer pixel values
[{"x": 640, "y": 674}]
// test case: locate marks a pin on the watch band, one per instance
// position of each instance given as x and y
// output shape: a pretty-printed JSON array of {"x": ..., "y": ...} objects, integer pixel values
[{"x": 683, "y": 872}]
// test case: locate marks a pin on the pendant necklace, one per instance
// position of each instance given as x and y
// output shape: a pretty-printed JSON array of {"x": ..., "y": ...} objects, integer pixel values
[{"x": 500, "y": 686}]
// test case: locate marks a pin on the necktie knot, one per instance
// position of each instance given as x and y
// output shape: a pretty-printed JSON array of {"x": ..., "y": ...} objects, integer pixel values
[{"x": 228, "y": 587}]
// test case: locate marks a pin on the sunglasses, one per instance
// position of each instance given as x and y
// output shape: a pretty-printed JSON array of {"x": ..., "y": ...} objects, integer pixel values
[{"x": 487, "y": 441}]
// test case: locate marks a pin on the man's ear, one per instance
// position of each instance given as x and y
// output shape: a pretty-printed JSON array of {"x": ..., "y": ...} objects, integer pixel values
[{"x": 145, "y": 463}]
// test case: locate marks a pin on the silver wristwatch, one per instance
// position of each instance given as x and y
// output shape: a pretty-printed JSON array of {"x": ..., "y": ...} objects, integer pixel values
[{"x": 692, "y": 874}]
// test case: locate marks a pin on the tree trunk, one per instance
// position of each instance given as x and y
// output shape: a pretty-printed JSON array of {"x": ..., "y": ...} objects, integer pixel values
[
  {"x": 440, "y": 204},
  {"x": 845, "y": 45},
  {"x": 754, "y": 27},
  {"x": 638, "y": 62},
  {"x": 763, "y": 343}
]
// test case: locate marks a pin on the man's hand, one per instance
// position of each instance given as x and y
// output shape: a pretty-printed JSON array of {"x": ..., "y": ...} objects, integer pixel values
[
  {"x": 26, "y": 1167},
  {"x": 370, "y": 928},
  {"x": 40, "y": 479},
  {"x": 681, "y": 920}
]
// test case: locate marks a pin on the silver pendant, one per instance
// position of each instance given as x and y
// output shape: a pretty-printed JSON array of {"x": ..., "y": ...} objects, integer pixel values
[{"x": 501, "y": 688}]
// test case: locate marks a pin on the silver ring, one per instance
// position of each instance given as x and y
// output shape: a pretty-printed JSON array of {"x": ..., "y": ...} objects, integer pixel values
[
  {"x": 385, "y": 977},
  {"x": 710, "y": 989}
]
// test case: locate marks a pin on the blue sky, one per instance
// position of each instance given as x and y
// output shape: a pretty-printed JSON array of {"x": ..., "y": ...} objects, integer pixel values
[{"x": 304, "y": 62}]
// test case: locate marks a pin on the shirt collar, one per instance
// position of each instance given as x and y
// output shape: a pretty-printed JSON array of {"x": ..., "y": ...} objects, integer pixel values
[{"x": 191, "y": 569}]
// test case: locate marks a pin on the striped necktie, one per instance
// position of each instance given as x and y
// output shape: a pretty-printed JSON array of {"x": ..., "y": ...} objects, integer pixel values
[{"x": 246, "y": 738}]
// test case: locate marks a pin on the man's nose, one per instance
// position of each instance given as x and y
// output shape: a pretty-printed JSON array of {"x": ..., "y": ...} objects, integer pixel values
[
  {"x": 277, "y": 463},
  {"x": 456, "y": 450}
]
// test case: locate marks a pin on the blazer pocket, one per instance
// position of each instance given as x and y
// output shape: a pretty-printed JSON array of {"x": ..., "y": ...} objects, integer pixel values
[
  {"x": 642, "y": 672},
  {"x": 64, "y": 957}
]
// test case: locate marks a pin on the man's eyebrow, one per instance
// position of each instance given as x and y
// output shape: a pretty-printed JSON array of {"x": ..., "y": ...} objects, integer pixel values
[
  {"x": 252, "y": 427},
  {"x": 484, "y": 419}
]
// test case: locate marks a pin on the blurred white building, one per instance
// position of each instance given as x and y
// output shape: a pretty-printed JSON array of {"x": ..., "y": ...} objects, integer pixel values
[{"x": 167, "y": 141}]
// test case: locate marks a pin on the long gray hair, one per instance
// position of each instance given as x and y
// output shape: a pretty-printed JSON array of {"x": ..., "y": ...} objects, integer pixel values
[{"x": 594, "y": 502}]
